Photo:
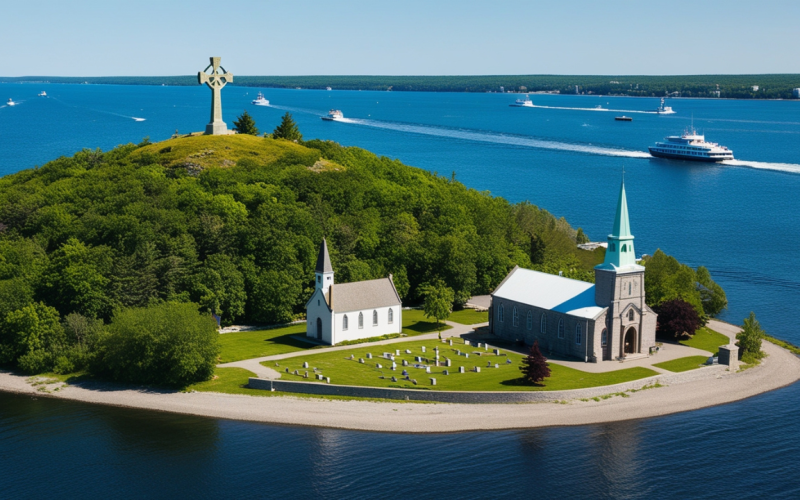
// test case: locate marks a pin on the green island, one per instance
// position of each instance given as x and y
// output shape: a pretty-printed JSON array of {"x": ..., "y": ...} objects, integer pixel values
[
  {"x": 113, "y": 263},
  {"x": 769, "y": 86}
]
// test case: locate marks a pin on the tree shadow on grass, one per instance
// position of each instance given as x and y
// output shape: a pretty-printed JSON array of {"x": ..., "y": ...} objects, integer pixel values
[
  {"x": 421, "y": 327},
  {"x": 522, "y": 384}
]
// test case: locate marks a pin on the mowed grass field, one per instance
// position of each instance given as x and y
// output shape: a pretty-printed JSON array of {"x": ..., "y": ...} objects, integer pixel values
[
  {"x": 682, "y": 364},
  {"x": 469, "y": 317},
  {"x": 707, "y": 340},
  {"x": 506, "y": 377}
]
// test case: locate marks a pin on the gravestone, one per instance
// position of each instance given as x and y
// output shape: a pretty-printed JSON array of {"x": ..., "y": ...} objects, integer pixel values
[
  {"x": 460, "y": 369},
  {"x": 296, "y": 373},
  {"x": 466, "y": 354},
  {"x": 305, "y": 364},
  {"x": 488, "y": 364},
  {"x": 477, "y": 369},
  {"x": 458, "y": 352},
  {"x": 404, "y": 373},
  {"x": 361, "y": 360},
  {"x": 405, "y": 362},
  {"x": 378, "y": 365},
  {"x": 305, "y": 375},
  {"x": 433, "y": 381},
  {"x": 496, "y": 365},
  {"x": 276, "y": 364},
  {"x": 497, "y": 352},
  {"x": 466, "y": 342},
  {"x": 451, "y": 342},
  {"x": 397, "y": 352},
  {"x": 408, "y": 351},
  {"x": 446, "y": 372},
  {"x": 423, "y": 348},
  {"x": 328, "y": 380},
  {"x": 448, "y": 362},
  {"x": 287, "y": 369},
  {"x": 418, "y": 359},
  {"x": 508, "y": 361},
  {"x": 352, "y": 356},
  {"x": 414, "y": 381},
  {"x": 394, "y": 365},
  {"x": 479, "y": 344},
  {"x": 369, "y": 355},
  {"x": 319, "y": 376},
  {"x": 215, "y": 81},
  {"x": 427, "y": 369},
  {"x": 394, "y": 379}
]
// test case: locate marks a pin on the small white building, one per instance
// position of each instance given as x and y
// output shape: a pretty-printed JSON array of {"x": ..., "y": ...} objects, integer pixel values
[
  {"x": 351, "y": 311},
  {"x": 796, "y": 93}
]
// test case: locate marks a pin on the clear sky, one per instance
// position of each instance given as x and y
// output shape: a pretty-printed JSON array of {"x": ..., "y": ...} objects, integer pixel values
[{"x": 402, "y": 37}]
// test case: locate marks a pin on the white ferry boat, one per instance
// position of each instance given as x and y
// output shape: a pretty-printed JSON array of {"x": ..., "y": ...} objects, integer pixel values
[
  {"x": 664, "y": 110},
  {"x": 690, "y": 146},
  {"x": 260, "y": 101},
  {"x": 333, "y": 115},
  {"x": 522, "y": 103},
  {"x": 11, "y": 102},
  {"x": 42, "y": 94}
]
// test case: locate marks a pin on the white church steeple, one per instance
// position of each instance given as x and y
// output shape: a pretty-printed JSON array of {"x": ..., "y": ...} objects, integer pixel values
[{"x": 324, "y": 270}]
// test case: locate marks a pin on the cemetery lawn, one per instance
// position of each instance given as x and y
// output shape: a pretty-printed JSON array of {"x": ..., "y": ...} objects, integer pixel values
[
  {"x": 707, "y": 340},
  {"x": 506, "y": 377},
  {"x": 683, "y": 364},
  {"x": 246, "y": 345},
  {"x": 469, "y": 317}
]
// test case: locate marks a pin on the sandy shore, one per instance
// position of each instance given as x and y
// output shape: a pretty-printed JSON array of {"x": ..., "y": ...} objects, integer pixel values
[{"x": 778, "y": 369}]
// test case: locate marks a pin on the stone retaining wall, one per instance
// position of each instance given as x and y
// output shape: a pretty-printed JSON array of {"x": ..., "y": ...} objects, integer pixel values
[{"x": 487, "y": 397}]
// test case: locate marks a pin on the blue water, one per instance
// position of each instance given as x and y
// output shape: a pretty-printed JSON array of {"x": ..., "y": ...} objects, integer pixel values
[{"x": 739, "y": 220}]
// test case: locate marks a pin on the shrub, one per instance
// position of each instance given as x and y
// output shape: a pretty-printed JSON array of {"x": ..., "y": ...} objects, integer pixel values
[
  {"x": 677, "y": 318},
  {"x": 749, "y": 339},
  {"x": 167, "y": 344},
  {"x": 534, "y": 367}
]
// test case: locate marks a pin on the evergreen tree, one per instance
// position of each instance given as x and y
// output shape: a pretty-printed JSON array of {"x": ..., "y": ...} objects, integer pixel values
[
  {"x": 581, "y": 237},
  {"x": 749, "y": 339},
  {"x": 245, "y": 124},
  {"x": 287, "y": 130},
  {"x": 534, "y": 366}
]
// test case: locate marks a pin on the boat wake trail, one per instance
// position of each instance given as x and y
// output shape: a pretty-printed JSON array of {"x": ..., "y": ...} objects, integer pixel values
[
  {"x": 599, "y": 109},
  {"x": 134, "y": 118},
  {"x": 514, "y": 140},
  {"x": 791, "y": 168},
  {"x": 297, "y": 110}
]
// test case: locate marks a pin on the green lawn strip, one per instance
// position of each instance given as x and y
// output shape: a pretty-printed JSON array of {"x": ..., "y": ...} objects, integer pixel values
[
  {"x": 246, "y": 345},
  {"x": 234, "y": 381},
  {"x": 707, "y": 340},
  {"x": 415, "y": 323},
  {"x": 782, "y": 343},
  {"x": 469, "y": 317},
  {"x": 683, "y": 364},
  {"x": 344, "y": 371}
]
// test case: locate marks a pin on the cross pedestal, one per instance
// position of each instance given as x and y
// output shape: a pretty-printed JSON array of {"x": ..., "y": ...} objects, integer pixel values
[{"x": 215, "y": 81}]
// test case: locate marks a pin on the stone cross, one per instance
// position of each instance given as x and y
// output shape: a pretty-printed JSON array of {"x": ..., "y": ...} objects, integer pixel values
[{"x": 215, "y": 81}]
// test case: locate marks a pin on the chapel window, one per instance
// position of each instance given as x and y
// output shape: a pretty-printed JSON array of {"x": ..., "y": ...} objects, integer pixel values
[
  {"x": 578, "y": 334},
  {"x": 344, "y": 322},
  {"x": 630, "y": 315},
  {"x": 561, "y": 328},
  {"x": 391, "y": 316},
  {"x": 630, "y": 288},
  {"x": 543, "y": 323},
  {"x": 374, "y": 318},
  {"x": 530, "y": 321},
  {"x": 515, "y": 316},
  {"x": 361, "y": 320},
  {"x": 604, "y": 338}
]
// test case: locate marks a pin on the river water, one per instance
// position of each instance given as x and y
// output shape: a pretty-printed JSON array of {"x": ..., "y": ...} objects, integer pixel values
[{"x": 740, "y": 220}]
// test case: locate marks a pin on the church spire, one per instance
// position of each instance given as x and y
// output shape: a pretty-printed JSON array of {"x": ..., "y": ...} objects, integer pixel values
[
  {"x": 323, "y": 259},
  {"x": 620, "y": 251}
]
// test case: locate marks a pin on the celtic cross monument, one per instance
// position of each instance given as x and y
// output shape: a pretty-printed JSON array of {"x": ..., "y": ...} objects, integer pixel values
[{"x": 215, "y": 80}]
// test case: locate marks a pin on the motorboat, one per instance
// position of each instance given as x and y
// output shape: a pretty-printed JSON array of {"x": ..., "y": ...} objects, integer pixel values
[
  {"x": 10, "y": 102},
  {"x": 664, "y": 110},
  {"x": 328, "y": 88},
  {"x": 42, "y": 94},
  {"x": 690, "y": 146},
  {"x": 623, "y": 118},
  {"x": 333, "y": 115},
  {"x": 260, "y": 101},
  {"x": 523, "y": 103}
]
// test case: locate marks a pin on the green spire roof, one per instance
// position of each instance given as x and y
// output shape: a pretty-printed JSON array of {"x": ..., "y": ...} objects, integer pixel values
[{"x": 622, "y": 226}]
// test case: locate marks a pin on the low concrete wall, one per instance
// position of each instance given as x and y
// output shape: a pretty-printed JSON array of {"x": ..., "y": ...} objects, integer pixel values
[{"x": 323, "y": 389}]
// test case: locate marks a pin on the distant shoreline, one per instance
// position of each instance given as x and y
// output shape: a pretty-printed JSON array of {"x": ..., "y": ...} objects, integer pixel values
[{"x": 710, "y": 388}]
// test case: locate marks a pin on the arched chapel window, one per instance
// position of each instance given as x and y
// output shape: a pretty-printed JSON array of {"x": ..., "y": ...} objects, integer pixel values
[
  {"x": 543, "y": 323},
  {"x": 604, "y": 338},
  {"x": 374, "y": 318},
  {"x": 361, "y": 320},
  {"x": 344, "y": 322},
  {"x": 530, "y": 321},
  {"x": 391, "y": 316},
  {"x": 630, "y": 315},
  {"x": 515, "y": 316},
  {"x": 561, "y": 328}
]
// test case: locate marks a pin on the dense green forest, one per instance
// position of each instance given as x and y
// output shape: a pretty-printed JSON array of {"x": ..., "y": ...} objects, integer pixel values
[
  {"x": 729, "y": 86},
  {"x": 233, "y": 223}
]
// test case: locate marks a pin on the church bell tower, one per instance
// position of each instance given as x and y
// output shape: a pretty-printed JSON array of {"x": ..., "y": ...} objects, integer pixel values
[{"x": 324, "y": 270}]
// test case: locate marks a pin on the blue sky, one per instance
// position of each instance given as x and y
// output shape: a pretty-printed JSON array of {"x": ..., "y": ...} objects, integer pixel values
[{"x": 406, "y": 37}]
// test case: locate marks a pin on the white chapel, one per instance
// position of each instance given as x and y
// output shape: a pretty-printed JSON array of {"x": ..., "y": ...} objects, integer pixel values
[{"x": 351, "y": 311}]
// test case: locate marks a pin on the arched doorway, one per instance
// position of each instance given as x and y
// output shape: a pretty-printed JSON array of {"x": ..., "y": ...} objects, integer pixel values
[
  {"x": 319, "y": 329},
  {"x": 629, "y": 343}
]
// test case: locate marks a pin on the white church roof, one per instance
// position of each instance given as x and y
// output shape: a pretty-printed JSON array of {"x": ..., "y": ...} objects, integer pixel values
[
  {"x": 548, "y": 291},
  {"x": 346, "y": 297}
]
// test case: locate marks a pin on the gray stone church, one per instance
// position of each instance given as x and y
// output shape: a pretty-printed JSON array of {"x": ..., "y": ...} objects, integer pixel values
[{"x": 605, "y": 321}]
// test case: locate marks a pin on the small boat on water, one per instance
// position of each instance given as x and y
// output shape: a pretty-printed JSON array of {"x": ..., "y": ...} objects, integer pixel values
[
  {"x": 664, "y": 110},
  {"x": 260, "y": 101},
  {"x": 522, "y": 103},
  {"x": 42, "y": 94},
  {"x": 328, "y": 88},
  {"x": 333, "y": 115},
  {"x": 11, "y": 102},
  {"x": 690, "y": 146},
  {"x": 623, "y": 118}
]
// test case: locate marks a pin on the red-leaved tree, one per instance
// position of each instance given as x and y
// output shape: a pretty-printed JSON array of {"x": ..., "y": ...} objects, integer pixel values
[
  {"x": 534, "y": 366},
  {"x": 677, "y": 318}
]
